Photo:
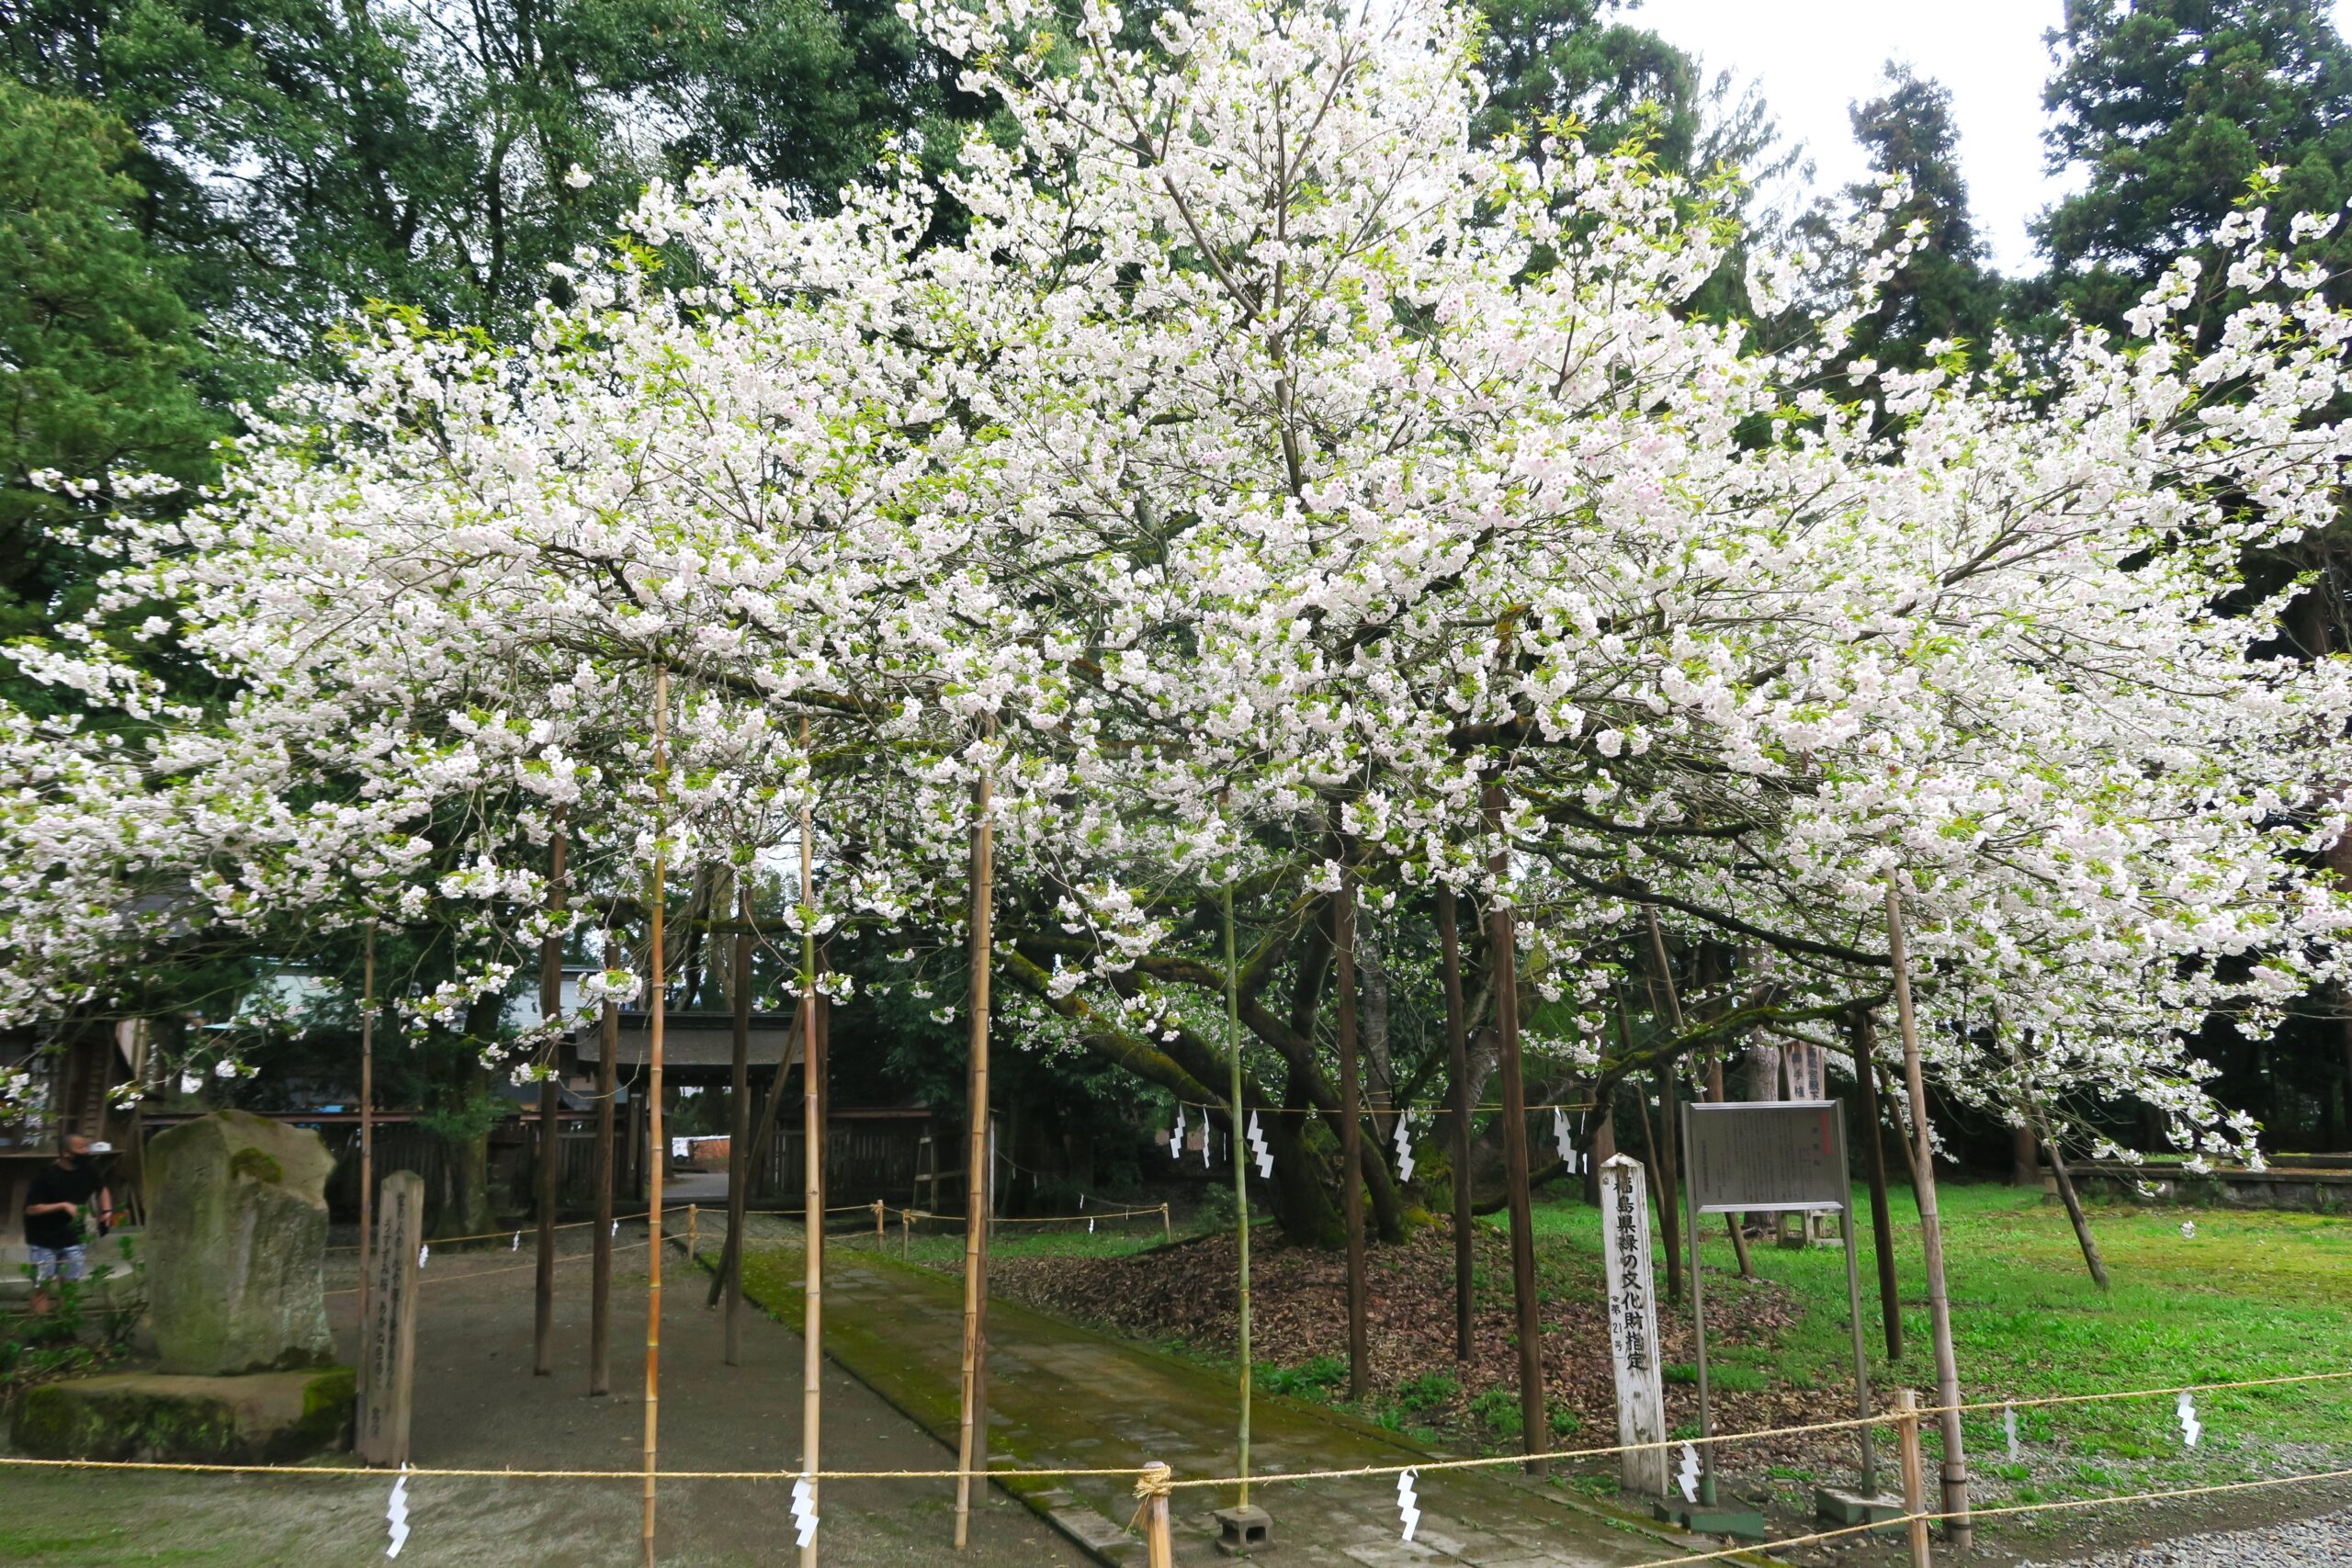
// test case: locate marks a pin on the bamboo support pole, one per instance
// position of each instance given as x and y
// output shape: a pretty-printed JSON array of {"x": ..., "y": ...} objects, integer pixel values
[
  {"x": 1343, "y": 939},
  {"x": 1159, "y": 1543},
  {"x": 1240, "y": 1184},
  {"x": 1534, "y": 1421},
  {"x": 367, "y": 1128},
  {"x": 972, "y": 1429},
  {"x": 657, "y": 1161},
  {"x": 1931, "y": 1234},
  {"x": 599, "y": 1263},
  {"x": 1914, "y": 1479},
  {"x": 550, "y": 1107},
  {"x": 1457, "y": 1069},
  {"x": 812, "y": 1175}
]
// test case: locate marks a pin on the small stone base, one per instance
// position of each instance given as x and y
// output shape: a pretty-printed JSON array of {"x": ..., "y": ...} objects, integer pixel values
[
  {"x": 258, "y": 1418},
  {"x": 1852, "y": 1509},
  {"x": 1713, "y": 1518},
  {"x": 1244, "y": 1531}
]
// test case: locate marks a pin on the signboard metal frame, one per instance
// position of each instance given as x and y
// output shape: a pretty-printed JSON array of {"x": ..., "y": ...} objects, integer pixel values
[{"x": 1799, "y": 1179}]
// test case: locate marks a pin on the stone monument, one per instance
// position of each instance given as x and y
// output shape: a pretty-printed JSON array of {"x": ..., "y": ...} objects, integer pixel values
[
  {"x": 237, "y": 1234},
  {"x": 239, "y": 1231}
]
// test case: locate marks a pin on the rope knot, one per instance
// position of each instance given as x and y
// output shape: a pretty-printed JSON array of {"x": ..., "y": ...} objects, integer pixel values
[{"x": 1155, "y": 1481}]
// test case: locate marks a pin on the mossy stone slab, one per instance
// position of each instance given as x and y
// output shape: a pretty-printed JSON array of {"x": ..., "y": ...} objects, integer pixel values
[{"x": 257, "y": 1419}]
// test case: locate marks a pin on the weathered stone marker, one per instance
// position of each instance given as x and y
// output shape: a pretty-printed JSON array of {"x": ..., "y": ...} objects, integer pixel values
[
  {"x": 388, "y": 1339},
  {"x": 238, "y": 1223},
  {"x": 1633, "y": 1325},
  {"x": 239, "y": 1228}
]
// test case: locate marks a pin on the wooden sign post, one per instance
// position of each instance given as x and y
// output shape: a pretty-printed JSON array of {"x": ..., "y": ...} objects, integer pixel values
[
  {"x": 1632, "y": 1325},
  {"x": 388, "y": 1336}
]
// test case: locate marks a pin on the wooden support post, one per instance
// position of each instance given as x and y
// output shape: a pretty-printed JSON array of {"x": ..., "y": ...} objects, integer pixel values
[
  {"x": 367, "y": 1129},
  {"x": 878, "y": 1224},
  {"x": 1915, "y": 1476},
  {"x": 739, "y": 1157},
  {"x": 693, "y": 1231},
  {"x": 1663, "y": 988},
  {"x": 812, "y": 1176},
  {"x": 600, "y": 1262},
  {"x": 906, "y": 1233},
  {"x": 1242, "y": 1180},
  {"x": 762, "y": 1136},
  {"x": 1457, "y": 1070},
  {"x": 972, "y": 1435},
  {"x": 1669, "y": 1212},
  {"x": 1343, "y": 941},
  {"x": 2074, "y": 1216},
  {"x": 1931, "y": 1235},
  {"x": 1861, "y": 1039},
  {"x": 1166, "y": 1225},
  {"x": 550, "y": 1107},
  {"x": 1534, "y": 1416},
  {"x": 657, "y": 1162}
]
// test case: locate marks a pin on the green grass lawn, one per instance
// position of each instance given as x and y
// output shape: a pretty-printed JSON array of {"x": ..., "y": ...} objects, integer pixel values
[{"x": 2253, "y": 1294}]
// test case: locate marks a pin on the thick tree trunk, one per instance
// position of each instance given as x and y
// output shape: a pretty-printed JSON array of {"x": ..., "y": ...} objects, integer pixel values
[
  {"x": 2024, "y": 1162},
  {"x": 1372, "y": 1019}
]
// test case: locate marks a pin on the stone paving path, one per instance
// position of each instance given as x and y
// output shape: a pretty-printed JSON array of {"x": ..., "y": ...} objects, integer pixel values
[{"x": 1061, "y": 1396}]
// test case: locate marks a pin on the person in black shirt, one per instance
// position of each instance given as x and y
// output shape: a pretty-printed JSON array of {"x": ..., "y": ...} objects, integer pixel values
[{"x": 53, "y": 1222}]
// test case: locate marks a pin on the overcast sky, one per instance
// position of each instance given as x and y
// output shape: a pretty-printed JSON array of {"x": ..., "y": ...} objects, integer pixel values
[{"x": 1814, "y": 57}]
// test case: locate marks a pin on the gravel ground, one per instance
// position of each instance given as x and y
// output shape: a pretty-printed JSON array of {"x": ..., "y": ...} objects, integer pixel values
[{"x": 2312, "y": 1543}]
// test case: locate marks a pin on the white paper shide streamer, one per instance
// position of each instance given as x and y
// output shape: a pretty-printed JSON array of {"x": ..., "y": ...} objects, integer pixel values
[
  {"x": 1563, "y": 1139},
  {"x": 424, "y": 1255},
  {"x": 516, "y": 1246},
  {"x": 1405, "y": 1152},
  {"x": 1176, "y": 1136},
  {"x": 1408, "y": 1505},
  {"x": 396, "y": 1514},
  {"x": 1258, "y": 1149},
  {"x": 2185, "y": 1410},
  {"x": 803, "y": 1511},
  {"x": 2009, "y": 1430},
  {"x": 1687, "y": 1476}
]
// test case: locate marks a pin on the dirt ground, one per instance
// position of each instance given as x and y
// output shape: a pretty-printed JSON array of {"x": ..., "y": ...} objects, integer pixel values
[{"x": 478, "y": 1405}]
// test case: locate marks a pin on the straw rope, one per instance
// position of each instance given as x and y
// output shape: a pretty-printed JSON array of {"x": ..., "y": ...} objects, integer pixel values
[
  {"x": 428, "y": 1472},
  {"x": 430, "y": 1278},
  {"x": 1416, "y": 1111},
  {"x": 531, "y": 1227},
  {"x": 1885, "y": 1418},
  {"x": 1156, "y": 1213},
  {"x": 2076, "y": 1503}
]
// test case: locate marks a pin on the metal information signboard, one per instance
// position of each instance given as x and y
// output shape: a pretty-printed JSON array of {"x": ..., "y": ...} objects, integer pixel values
[
  {"x": 1766, "y": 1158},
  {"x": 1771, "y": 1156}
]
